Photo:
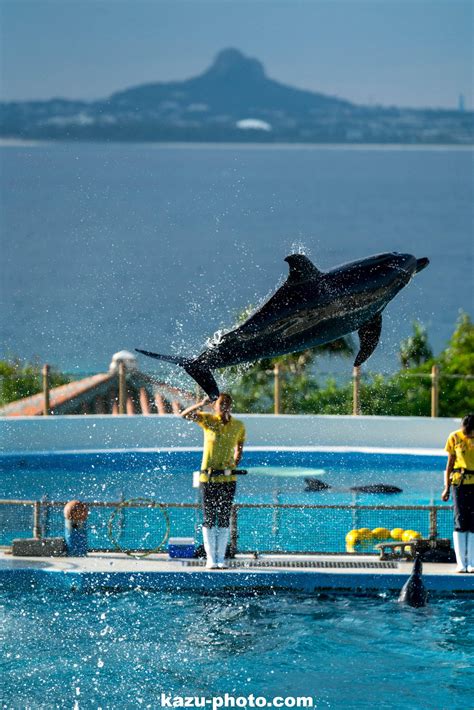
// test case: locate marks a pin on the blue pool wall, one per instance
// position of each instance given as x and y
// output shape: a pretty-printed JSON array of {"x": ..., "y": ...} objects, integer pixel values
[
  {"x": 14, "y": 580},
  {"x": 106, "y": 475},
  {"x": 102, "y": 432},
  {"x": 62, "y": 440}
]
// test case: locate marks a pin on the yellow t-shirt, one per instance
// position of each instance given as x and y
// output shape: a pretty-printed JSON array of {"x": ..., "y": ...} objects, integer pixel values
[
  {"x": 220, "y": 441},
  {"x": 462, "y": 447}
]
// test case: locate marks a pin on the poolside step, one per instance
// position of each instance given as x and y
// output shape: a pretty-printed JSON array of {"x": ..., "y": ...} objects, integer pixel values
[{"x": 300, "y": 564}]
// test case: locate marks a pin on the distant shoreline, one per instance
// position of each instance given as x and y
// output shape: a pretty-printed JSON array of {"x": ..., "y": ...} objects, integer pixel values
[{"x": 251, "y": 145}]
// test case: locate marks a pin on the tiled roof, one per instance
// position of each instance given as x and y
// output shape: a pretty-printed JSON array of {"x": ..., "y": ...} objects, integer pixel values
[
  {"x": 67, "y": 398},
  {"x": 33, "y": 406}
]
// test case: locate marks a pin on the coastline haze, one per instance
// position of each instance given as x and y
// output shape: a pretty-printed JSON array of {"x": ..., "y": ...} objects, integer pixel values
[{"x": 389, "y": 53}]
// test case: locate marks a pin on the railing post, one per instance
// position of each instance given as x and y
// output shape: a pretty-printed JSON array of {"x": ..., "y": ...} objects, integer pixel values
[
  {"x": 356, "y": 391},
  {"x": 276, "y": 389},
  {"x": 434, "y": 390},
  {"x": 45, "y": 515},
  {"x": 37, "y": 519},
  {"x": 233, "y": 531},
  {"x": 433, "y": 523},
  {"x": 355, "y": 512},
  {"x": 122, "y": 387},
  {"x": 276, "y": 514},
  {"x": 46, "y": 409}
]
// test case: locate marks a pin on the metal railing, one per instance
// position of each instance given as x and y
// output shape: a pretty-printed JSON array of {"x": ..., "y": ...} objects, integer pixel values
[{"x": 264, "y": 528}]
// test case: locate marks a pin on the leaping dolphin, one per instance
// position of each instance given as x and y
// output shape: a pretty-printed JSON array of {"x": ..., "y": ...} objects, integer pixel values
[{"x": 311, "y": 308}]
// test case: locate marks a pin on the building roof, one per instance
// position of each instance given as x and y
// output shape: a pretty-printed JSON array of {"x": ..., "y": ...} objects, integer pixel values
[{"x": 145, "y": 394}]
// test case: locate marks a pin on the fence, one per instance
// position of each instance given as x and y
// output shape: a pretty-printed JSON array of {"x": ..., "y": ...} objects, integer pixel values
[
  {"x": 278, "y": 374},
  {"x": 264, "y": 528}
]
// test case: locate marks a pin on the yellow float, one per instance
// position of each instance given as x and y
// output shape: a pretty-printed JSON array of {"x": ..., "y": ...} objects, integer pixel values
[
  {"x": 409, "y": 535},
  {"x": 352, "y": 537},
  {"x": 381, "y": 533},
  {"x": 365, "y": 533},
  {"x": 397, "y": 533}
]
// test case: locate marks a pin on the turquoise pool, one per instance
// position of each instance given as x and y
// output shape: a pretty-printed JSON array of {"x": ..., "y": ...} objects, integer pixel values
[
  {"x": 275, "y": 478},
  {"x": 167, "y": 476},
  {"x": 70, "y": 650}
]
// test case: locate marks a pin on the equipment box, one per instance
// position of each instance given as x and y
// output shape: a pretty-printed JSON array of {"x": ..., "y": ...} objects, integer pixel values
[
  {"x": 38, "y": 547},
  {"x": 181, "y": 547}
]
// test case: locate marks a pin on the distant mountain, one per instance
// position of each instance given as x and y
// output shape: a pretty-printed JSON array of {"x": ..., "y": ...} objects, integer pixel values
[{"x": 233, "y": 100}]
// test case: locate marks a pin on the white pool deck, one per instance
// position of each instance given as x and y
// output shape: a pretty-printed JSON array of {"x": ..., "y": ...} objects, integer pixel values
[{"x": 307, "y": 573}]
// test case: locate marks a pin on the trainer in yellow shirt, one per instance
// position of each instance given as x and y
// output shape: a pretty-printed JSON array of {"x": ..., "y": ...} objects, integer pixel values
[
  {"x": 224, "y": 439},
  {"x": 222, "y": 442},
  {"x": 461, "y": 446},
  {"x": 459, "y": 476}
]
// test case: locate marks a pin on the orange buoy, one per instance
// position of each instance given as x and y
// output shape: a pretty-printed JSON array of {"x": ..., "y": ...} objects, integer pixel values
[{"x": 76, "y": 511}]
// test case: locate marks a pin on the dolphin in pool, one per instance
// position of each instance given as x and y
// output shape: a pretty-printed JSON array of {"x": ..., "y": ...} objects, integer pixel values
[
  {"x": 413, "y": 591},
  {"x": 311, "y": 308}
]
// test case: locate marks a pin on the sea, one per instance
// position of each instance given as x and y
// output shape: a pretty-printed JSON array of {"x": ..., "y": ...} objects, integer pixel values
[{"x": 108, "y": 247}]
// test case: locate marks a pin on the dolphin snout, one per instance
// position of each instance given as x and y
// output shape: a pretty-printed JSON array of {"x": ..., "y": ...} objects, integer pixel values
[{"x": 421, "y": 264}]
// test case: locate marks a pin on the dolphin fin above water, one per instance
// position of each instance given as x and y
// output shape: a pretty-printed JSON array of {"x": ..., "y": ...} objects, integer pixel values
[
  {"x": 301, "y": 269},
  {"x": 311, "y": 308},
  {"x": 413, "y": 591}
]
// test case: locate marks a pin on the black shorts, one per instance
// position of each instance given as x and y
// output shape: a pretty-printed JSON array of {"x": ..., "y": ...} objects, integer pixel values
[
  {"x": 217, "y": 499},
  {"x": 463, "y": 499}
]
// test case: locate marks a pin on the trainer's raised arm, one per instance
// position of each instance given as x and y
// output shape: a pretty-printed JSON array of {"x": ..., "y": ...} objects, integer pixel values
[{"x": 191, "y": 412}]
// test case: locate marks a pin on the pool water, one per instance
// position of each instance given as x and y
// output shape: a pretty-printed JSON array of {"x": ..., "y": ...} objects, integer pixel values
[
  {"x": 67, "y": 650},
  {"x": 273, "y": 476}
]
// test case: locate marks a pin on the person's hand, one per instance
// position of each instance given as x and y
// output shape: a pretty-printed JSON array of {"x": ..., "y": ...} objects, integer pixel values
[
  {"x": 445, "y": 494},
  {"x": 205, "y": 401}
]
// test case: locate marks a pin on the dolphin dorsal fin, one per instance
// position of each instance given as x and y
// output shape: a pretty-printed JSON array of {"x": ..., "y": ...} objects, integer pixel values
[{"x": 301, "y": 268}]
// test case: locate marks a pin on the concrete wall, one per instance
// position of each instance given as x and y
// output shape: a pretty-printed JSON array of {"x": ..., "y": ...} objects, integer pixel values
[{"x": 72, "y": 433}]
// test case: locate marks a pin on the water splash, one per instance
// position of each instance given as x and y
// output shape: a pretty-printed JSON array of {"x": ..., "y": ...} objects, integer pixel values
[
  {"x": 298, "y": 247},
  {"x": 216, "y": 338}
]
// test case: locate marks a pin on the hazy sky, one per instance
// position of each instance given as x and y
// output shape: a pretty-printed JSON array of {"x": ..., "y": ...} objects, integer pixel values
[{"x": 405, "y": 52}]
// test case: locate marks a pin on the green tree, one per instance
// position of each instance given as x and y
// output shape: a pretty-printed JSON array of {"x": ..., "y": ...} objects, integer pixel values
[
  {"x": 23, "y": 379},
  {"x": 416, "y": 349},
  {"x": 406, "y": 393},
  {"x": 457, "y": 395}
]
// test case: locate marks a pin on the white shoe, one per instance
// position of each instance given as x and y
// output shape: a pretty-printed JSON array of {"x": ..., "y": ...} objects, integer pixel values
[
  {"x": 460, "y": 549},
  {"x": 209, "y": 535},
  {"x": 470, "y": 552},
  {"x": 222, "y": 540}
]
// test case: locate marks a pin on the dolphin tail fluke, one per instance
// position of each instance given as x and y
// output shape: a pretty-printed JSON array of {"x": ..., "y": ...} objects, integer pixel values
[
  {"x": 168, "y": 358},
  {"x": 204, "y": 377},
  {"x": 200, "y": 373}
]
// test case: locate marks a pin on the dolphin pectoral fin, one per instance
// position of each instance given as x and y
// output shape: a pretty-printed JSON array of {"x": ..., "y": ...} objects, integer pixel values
[{"x": 369, "y": 336}]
